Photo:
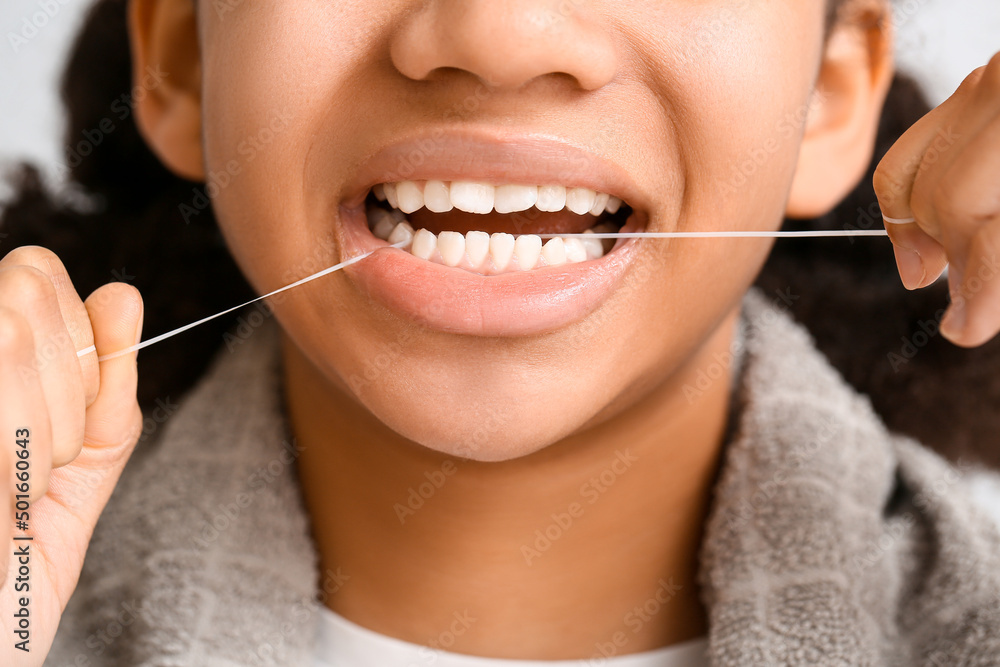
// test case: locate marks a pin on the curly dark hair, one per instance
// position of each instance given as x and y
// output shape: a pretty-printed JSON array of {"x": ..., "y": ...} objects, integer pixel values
[{"x": 880, "y": 336}]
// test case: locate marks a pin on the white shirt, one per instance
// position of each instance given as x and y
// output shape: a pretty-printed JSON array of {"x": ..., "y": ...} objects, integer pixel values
[{"x": 342, "y": 643}]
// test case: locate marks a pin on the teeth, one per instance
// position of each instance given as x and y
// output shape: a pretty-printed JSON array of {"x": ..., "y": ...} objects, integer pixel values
[
  {"x": 477, "y": 246},
  {"x": 389, "y": 190},
  {"x": 478, "y": 251},
  {"x": 473, "y": 197},
  {"x": 403, "y": 233},
  {"x": 485, "y": 253},
  {"x": 514, "y": 198},
  {"x": 593, "y": 247},
  {"x": 600, "y": 204},
  {"x": 482, "y": 198},
  {"x": 451, "y": 245},
  {"x": 575, "y": 250},
  {"x": 605, "y": 228},
  {"x": 501, "y": 250},
  {"x": 527, "y": 249},
  {"x": 437, "y": 197},
  {"x": 424, "y": 244},
  {"x": 554, "y": 252},
  {"x": 580, "y": 200},
  {"x": 551, "y": 198},
  {"x": 409, "y": 197},
  {"x": 382, "y": 223}
]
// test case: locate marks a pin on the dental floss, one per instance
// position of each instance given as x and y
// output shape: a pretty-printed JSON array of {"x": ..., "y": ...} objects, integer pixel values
[
  {"x": 811, "y": 233},
  {"x": 658, "y": 235},
  {"x": 169, "y": 334}
]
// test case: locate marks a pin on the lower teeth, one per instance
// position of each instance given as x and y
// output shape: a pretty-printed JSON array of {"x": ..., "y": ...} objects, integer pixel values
[{"x": 487, "y": 254}]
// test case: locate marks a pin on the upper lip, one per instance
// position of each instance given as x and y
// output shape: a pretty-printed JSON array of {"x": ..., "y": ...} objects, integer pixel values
[{"x": 492, "y": 156}]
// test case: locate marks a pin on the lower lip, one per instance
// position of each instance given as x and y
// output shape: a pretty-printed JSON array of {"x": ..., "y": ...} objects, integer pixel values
[{"x": 455, "y": 301}]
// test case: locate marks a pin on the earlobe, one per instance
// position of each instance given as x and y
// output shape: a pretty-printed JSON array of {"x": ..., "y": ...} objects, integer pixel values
[
  {"x": 850, "y": 90},
  {"x": 164, "y": 38}
]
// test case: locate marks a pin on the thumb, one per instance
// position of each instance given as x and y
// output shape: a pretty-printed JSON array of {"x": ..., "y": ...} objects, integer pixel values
[
  {"x": 114, "y": 421},
  {"x": 78, "y": 491},
  {"x": 920, "y": 259}
]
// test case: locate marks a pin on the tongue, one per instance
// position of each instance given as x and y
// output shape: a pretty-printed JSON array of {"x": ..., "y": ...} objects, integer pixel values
[{"x": 531, "y": 221}]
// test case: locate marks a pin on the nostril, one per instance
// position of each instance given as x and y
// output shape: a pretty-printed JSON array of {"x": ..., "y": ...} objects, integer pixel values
[{"x": 505, "y": 44}]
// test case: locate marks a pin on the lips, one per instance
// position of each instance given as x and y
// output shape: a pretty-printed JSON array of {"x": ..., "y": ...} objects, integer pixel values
[{"x": 470, "y": 267}]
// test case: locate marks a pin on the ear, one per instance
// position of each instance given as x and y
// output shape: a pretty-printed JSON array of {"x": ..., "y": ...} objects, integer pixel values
[
  {"x": 166, "y": 73},
  {"x": 839, "y": 137}
]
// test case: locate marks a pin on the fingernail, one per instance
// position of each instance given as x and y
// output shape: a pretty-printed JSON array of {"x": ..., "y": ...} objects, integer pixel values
[
  {"x": 953, "y": 322},
  {"x": 911, "y": 267}
]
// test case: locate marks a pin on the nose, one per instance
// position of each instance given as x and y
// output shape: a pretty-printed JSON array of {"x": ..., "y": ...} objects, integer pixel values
[{"x": 506, "y": 43}]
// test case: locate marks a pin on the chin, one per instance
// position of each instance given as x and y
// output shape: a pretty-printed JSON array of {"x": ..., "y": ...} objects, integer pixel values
[{"x": 482, "y": 428}]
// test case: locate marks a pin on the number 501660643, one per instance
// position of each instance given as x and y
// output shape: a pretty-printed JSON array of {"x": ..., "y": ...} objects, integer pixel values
[{"x": 23, "y": 476}]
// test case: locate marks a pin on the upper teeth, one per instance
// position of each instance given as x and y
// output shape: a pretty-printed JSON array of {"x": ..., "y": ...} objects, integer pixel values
[{"x": 482, "y": 198}]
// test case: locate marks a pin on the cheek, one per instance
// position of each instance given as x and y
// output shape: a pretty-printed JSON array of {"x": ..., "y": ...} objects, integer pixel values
[
  {"x": 737, "y": 98},
  {"x": 737, "y": 82},
  {"x": 714, "y": 122},
  {"x": 264, "y": 106}
]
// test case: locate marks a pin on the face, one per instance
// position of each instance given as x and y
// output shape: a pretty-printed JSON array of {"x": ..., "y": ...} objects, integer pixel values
[{"x": 690, "y": 112}]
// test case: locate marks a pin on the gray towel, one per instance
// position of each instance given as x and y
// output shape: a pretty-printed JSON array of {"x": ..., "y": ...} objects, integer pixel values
[{"x": 830, "y": 540}]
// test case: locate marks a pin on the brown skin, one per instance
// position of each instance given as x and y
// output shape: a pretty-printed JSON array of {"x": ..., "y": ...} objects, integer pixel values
[
  {"x": 83, "y": 421},
  {"x": 942, "y": 172},
  {"x": 523, "y": 440},
  {"x": 682, "y": 113}
]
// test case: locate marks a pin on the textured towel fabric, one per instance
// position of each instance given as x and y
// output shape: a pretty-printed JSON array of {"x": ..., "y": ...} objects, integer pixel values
[{"x": 830, "y": 541}]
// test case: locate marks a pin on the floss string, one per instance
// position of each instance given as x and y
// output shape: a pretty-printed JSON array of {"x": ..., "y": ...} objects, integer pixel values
[
  {"x": 169, "y": 334},
  {"x": 657, "y": 235}
]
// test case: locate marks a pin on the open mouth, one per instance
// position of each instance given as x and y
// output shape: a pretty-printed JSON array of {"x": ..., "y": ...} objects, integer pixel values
[
  {"x": 467, "y": 211},
  {"x": 490, "y": 229}
]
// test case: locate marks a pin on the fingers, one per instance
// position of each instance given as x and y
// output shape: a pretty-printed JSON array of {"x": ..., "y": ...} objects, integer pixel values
[
  {"x": 973, "y": 317},
  {"x": 24, "y": 408},
  {"x": 967, "y": 194},
  {"x": 922, "y": 153},
  {"x": 70, "y": 304},
  {"x": 116, "y": 311},
  {"x": 942, "y": 174},
  {"x": 31, "y": 294},
  {"x": 923, "y": 144},
  {"x": 114, "y": 421},
  {"x": 920, "y": 259}
]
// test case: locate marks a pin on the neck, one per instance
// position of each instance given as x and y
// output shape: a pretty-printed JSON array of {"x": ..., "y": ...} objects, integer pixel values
[{"x": 584, "y": 549}]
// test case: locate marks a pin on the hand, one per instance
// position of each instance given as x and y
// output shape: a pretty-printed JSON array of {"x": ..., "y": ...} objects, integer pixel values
[
  {"x": 944, "y": 173},
  {"x": 68, "y": 425}
]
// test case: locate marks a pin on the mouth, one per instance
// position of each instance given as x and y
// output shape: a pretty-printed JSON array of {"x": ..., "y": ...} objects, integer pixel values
[
  {"x": 470, "y": 257},
  {"x": 432, "y": 220}
]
